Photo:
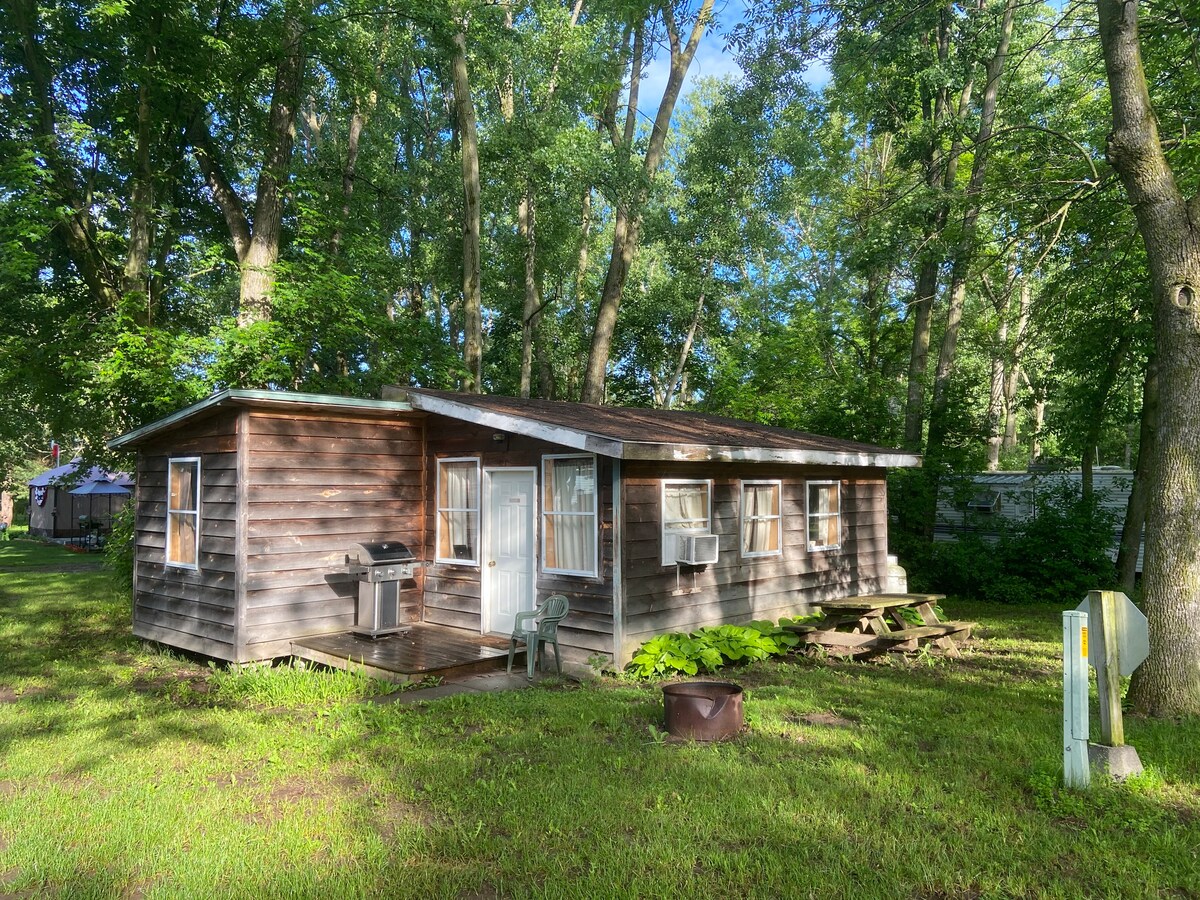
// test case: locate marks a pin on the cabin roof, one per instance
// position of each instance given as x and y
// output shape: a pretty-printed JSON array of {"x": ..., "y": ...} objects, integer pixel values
[
  {"x": 618, "y": 432},
  {"x": 282, "y": 400},
  {"x": 651, "y": 434}
]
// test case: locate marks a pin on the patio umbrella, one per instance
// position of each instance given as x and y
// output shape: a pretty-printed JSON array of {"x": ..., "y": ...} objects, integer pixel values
[{"x": 100, "y": 487}]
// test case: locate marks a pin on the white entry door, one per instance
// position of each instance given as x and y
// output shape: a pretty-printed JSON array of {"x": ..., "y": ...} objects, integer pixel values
[{"x": 509, "y": 567}]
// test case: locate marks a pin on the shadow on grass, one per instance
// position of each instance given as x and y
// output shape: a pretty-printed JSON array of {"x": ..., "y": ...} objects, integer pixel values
[{"x": 64, "y": 635}]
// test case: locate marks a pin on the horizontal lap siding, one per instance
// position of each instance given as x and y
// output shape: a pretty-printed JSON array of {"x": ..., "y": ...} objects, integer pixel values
[
  {"x": 737, "y": 590},
  {"x": 193, "y": 610},
  {"x": 315, "y": 487},
  {"x": 452, "y": 593}
]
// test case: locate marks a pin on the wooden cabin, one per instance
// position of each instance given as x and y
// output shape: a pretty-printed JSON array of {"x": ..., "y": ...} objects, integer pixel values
[{"x": 249, "y": 504}]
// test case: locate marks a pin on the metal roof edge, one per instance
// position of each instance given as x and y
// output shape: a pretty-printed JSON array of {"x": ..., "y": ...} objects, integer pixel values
[
  {"x": 233, "y": 397},
  {"x": 890, "y": 459},
  {"x": 554, "y": 434},
  {"x": 593, "y": 443}
]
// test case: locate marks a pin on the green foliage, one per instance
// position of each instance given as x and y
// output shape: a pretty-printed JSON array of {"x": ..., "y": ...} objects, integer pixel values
[
  {"x": 672, "y": 654},
  {"x": 296, "y": 684},
  {"x": 119, "y": 547},
  {"x": 710, "y": 649}
]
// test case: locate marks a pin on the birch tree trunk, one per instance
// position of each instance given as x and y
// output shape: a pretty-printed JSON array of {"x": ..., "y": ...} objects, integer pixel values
[
  {"x": 1168, "y": 683},
  {"x": 629, "y": 213}
]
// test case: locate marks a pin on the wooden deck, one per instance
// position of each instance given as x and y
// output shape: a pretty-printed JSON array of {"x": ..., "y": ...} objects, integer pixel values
[{"x": 423, "y": 651}]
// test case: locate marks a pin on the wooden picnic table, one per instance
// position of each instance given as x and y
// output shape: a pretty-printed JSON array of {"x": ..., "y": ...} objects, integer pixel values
[{"x": 874, "y": 623}]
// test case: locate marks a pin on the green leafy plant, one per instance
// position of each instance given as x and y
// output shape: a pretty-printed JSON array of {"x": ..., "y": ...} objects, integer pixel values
[
  {"x": 709, "y": 649},
  {"x": 737, "y": 642},
  {"x": 674, "y": 653}
]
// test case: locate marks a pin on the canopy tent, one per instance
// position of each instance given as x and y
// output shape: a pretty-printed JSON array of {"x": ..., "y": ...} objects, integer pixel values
[
  {"x": 61, "y": 497},
  {"x": 99, "y": 492}
]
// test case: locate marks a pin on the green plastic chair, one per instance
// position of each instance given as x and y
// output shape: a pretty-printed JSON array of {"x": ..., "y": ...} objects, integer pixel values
[{"x": 536, "y": 628}]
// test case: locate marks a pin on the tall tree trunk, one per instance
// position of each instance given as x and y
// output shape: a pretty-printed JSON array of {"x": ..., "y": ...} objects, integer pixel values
[
  {"x": 1135, "y": 509},
  {"x": 996, "y": 392},
  {"x": 532, "y": 307},
  {"x": 1168, "y": 683},
  {"x": 675, "y": 385},
  {"x": 1104, "y": 389},
  {"x": 135, "y": 278},
  {"x": 1013, "y": 372},
  {"x": 964, "y": 257},
  {"x": 358, "y": 122},
  {"x": 629, "y": 214},
  {"x": 258, "y": 278},
  {"x": 940, "y": 175},
  {"x": 918, "y": 358},
  {"x": 464, "y": 108}
]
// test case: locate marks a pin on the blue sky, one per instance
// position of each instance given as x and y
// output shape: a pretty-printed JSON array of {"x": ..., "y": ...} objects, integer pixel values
[{"x": 712, "y": 59}]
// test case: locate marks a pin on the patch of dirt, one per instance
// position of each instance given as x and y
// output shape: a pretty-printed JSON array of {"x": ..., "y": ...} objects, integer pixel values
[
  {"x": 396, "y": 812},
  {"x": 8, "y": 788},
  {"x": 957, "y": 893},
  {"x": 487, "y": 892},
  {"x": 827, "y": 719},
  {"x": 11, "y": 695}
]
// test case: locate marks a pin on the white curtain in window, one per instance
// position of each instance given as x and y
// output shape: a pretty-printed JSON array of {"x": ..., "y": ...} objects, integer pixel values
[
  {"x": 760, "y": 518},
  {"x": 824, "y": 515},
  {"x": 570, "y": 508},
  {"x": 458, "y": 510},
  {"x": 686, "y": 507}
]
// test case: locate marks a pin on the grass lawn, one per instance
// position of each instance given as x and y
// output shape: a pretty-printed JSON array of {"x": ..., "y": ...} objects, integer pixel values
[{"x": 126, "y": 772}]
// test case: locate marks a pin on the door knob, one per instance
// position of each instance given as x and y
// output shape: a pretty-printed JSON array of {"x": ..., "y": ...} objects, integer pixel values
[{"x": 491, "y": 563}]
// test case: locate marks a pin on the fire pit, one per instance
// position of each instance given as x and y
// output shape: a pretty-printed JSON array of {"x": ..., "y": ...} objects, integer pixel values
[{"x": 703, "y": 710}]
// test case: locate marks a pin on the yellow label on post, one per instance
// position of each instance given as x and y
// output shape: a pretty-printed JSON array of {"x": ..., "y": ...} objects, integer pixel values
[{"x": 1083, "y": 642}]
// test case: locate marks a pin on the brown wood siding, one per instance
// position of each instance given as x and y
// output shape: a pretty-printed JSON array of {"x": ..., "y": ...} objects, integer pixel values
[
  {"x": 315, "y": 486},
  {"x": 737, "y": 589},
  {"x": 191, "y": 609},
  {"x": 452, "y": 592}
]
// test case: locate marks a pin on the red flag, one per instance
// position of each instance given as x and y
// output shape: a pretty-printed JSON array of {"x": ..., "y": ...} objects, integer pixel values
[{"x": 54, "y": 454}]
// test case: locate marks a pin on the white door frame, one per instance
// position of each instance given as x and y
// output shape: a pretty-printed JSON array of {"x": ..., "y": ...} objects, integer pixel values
[{"x": 485, "y": 525}]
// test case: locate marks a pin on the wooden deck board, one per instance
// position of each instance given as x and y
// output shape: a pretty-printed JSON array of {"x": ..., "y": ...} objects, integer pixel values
[{"x": 425, "y": 650}]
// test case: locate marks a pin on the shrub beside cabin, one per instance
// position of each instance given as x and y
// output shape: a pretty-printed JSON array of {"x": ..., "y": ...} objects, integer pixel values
[{"x": 250, "y": 502}]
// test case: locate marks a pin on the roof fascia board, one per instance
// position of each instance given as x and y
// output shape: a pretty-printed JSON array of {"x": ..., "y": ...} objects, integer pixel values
[
  {"x": 162, "y": 424},
  {"x": 554, "y": 434},
  {"x": 701, "y": 453},
  {"x": 247, "y": 397}
]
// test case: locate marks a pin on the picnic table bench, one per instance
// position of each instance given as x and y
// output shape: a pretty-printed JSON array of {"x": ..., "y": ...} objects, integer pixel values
[{"x": 875, "y": 623}]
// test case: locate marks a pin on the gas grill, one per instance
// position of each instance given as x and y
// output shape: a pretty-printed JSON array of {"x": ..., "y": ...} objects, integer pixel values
[{"x": 380, "y": 566}]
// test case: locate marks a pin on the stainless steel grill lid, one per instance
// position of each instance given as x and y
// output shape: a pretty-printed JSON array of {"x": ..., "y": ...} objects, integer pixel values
[{"x": 372, "y": 553}]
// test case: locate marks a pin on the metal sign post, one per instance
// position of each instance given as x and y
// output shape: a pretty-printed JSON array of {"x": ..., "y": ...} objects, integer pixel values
[
  {"x": 1120, "y": 643},
  {"x": 1076, "y": 772}
]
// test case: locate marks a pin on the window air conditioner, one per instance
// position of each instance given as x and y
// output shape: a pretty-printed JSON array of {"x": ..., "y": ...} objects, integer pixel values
[{"x": 696, "y": 549}]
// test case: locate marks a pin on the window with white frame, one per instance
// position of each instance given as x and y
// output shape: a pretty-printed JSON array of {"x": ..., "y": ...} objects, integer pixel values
[
  {"x": 762, "y": 518},
  {"x": 458, "y": 511},
  {"x": 824, "y": 515},
  {"x": 183, "y": 512},
  {"x": 569, "y": 515},
  {"x": 686, "y": 509}
]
